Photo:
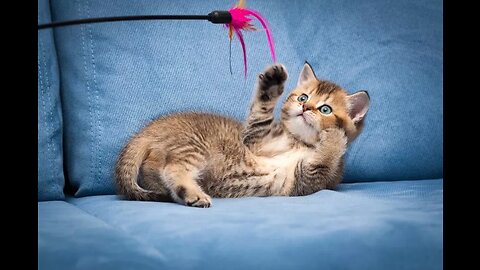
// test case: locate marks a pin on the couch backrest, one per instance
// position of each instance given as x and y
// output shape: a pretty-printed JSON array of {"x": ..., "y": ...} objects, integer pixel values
[
  {"x": 50, "y": 159},
  {"x": 115, "y": 77}
]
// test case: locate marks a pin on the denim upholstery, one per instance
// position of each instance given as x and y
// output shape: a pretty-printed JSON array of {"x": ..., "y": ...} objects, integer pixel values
[
  {"x": 113, "y": 78},
  {"x": 118, "y": 76},
  {"x": 50, "y": 157}
]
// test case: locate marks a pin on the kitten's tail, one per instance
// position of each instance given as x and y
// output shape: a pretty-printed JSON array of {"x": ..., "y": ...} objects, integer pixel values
[{"x": 127, "y": 170}]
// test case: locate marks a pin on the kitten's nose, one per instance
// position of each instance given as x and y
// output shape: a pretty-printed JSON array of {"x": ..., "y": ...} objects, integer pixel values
[{"x": 307, "y": 107}]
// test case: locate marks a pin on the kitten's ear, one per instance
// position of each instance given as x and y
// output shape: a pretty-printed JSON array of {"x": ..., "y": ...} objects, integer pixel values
[
  {"x": 358, "y": 105},
  {"x": 307, "y": 74}
]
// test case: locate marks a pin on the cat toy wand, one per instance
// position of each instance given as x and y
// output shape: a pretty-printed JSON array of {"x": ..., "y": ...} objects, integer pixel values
[{"x": 236, "y": 19}]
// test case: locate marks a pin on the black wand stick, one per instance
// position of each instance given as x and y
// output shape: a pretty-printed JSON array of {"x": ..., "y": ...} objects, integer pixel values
[{"x": 217, "y": 16}]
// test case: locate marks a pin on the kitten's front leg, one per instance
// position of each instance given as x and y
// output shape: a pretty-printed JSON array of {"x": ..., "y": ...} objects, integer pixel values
[
  {"x": 324, "y": 168},
  {"x": 269, "y": 88}
]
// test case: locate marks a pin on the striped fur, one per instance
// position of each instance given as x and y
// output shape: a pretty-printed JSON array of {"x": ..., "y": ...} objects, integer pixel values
[{"x": 190, "y": 157}]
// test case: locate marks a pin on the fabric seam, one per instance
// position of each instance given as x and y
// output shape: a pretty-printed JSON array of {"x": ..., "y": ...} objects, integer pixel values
[
  {"x": 96, "y": 101},
  {"x": 43, "y": 93},
  {"x": 50, "y": 125},
  {"x": 87, "y": 84}
]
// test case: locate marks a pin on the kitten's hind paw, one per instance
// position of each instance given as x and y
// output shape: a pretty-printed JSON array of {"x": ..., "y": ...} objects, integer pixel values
[
  {"x": 270, "y": 82},
  {"x": 202, "y": 201},
  {"x": 193, "y": 197}
]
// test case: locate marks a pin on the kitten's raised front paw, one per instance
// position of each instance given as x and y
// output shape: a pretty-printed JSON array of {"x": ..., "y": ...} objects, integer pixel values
[
  {"x": 273, "y": 75},
  {"x": 270, "y": 82}
]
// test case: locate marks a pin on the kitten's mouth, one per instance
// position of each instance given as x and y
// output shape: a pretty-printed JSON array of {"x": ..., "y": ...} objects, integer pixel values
[{"x": 304, "y": 119}]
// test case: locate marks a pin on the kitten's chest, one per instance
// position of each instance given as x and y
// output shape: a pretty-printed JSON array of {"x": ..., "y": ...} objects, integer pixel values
[
  {"x": 282, "y": 149},
  {"x": 281, "y": 156},
  {"x": 280, "y": 169},
  {"x": 286, "y": 160}
]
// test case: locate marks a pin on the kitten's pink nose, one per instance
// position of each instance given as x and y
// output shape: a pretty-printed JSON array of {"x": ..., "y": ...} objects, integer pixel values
[{"x": 307, "y": 107}]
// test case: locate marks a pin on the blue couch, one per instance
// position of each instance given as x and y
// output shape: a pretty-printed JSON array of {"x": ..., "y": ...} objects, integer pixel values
[{"x": 100, "y": 83}]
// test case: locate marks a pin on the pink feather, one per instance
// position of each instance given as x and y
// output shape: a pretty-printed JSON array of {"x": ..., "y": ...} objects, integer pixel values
[
  {"x": 241, "y": 21},
  {"x": 240, "y": 37},
  {"x": 267, "y": 31}
]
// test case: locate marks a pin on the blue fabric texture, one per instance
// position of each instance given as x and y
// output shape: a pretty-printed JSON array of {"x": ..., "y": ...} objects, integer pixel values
[
  {"x": 50, "y": 158},
  {"x": 378, "y": 225},
  {"x": 116, "y": 77},
  {"x": 113, "y": 78},
  {"x": 70, "y": 238}
]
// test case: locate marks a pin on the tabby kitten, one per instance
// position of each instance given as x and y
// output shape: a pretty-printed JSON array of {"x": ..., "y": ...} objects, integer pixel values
[{"x": 188, "y": 157}]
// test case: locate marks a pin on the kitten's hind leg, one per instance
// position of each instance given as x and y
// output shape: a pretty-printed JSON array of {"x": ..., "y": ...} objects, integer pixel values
[
  {"x": 269, "y": 88},
  {"x": 179, "y": 177},
  {"x": 150, "y": 179}
]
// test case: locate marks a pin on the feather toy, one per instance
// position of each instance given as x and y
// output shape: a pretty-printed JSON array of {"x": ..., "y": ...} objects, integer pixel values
[
  {"x": 237, "y": 19},
  {"x": 241, "y": 20}
]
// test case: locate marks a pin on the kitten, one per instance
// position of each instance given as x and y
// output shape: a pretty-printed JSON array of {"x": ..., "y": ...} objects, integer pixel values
[{"x": 188, "y": 157}]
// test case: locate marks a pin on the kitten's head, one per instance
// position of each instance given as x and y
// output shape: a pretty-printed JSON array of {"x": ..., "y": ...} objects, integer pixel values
[{"x": 315, "y": 105}]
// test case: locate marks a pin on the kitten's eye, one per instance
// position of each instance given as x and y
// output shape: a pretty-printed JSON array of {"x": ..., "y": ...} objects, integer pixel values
[
  {"x": 302, "y": 98},
  {"x": 325, "y": 109}
]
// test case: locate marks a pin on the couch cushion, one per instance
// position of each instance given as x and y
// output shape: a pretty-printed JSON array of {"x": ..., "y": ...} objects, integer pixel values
[
  {"x": 69, "y": 238},
  {"x": 383, "y": 225},
  {"x": 50, "y": 160},
  {"x": 118, "y": 76}
]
